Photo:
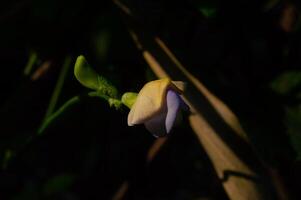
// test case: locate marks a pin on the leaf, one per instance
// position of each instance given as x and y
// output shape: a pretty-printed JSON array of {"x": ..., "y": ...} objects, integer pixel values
[
  {"x": 208, "y": 7},
  {"x": 90, "y": 79},
  {"x": 286, "y": 82},
  {"x": 270, "y": 4},
  {"x": 293, "y": 124},
  {"x": 7, "y": 157},
  {"x": 208, "y": 12},
  {"x": 58, "y": 184}
]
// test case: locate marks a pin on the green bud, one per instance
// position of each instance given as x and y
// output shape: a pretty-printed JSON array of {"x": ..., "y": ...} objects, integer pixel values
[
  {"x": 85, "y": 74},
  {"x": 129, "y": 98},
  {"x": 90, "y": 79}
]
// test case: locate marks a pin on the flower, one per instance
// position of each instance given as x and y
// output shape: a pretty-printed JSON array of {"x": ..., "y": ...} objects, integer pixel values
[{"x": 158, "y": 106}]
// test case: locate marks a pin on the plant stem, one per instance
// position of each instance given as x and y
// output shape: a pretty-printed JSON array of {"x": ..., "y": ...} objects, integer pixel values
[
  {"x": 31, "y": 61},
  {"x": 54, "y": 116},
  {"x": 67, "y": 106},
  {"x": 58, "y": 88}
]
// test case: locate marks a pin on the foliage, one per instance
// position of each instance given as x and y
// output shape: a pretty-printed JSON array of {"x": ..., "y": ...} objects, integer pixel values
[{"x": 288, "y": 85}]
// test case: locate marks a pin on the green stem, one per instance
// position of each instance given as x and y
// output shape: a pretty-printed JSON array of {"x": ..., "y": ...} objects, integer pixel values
[
  {"x": 58, "y": 88},
  {"x": 31, "y": 61},
  {"x": 54, "y": 116},
  {"x": 67, "y": 106}
]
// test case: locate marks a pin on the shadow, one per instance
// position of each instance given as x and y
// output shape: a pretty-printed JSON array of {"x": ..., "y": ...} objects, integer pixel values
[{"x": 229, "y": 173}]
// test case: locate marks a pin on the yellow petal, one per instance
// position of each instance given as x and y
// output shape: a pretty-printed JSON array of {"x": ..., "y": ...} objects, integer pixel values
[{"x": 149, "y": 101}]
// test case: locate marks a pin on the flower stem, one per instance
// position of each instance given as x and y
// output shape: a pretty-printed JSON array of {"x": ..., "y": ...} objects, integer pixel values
[
  {"x": 67, "y": 106},
  {"x": 58, "y": 88},
  {"x": 54, "y": 116}
]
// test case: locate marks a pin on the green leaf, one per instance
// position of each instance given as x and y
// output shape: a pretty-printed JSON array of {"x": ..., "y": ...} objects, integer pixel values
[
  {"x": 207, "y": 7},
  {"x": 270, "y": 4},
  {"x": 129, "y": 99},
  {"x": 7, "y": 157},
  {"x": 58, "y": 184},
  {"x": 208, "y": 12},
  {"x": 286, "y": 82},
  {"x": 293, "y": 124},
  {"x": 90, "y": 79}
]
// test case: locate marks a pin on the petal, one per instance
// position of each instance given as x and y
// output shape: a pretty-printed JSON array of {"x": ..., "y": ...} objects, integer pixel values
[
  {"x": 156, "y": 125},
  {"x": 150, "y": 101},
  {"x": 173, "y": 106}
]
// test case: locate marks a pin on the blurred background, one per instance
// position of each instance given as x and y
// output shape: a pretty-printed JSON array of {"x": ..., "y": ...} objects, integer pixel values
[{"x": 248, "y": 53}]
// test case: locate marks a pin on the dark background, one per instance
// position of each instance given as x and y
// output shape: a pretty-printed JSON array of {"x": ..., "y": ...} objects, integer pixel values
[{"x": 248, "y": 53}]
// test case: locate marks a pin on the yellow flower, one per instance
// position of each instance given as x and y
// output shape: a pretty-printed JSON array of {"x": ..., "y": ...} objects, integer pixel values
[{"x": 157, "y": 106}]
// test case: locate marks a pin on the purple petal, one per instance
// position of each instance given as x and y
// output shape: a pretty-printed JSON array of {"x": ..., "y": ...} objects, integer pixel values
[
  {"x": 156, "y": 125},
  {"x": 173, "y": 106}
]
